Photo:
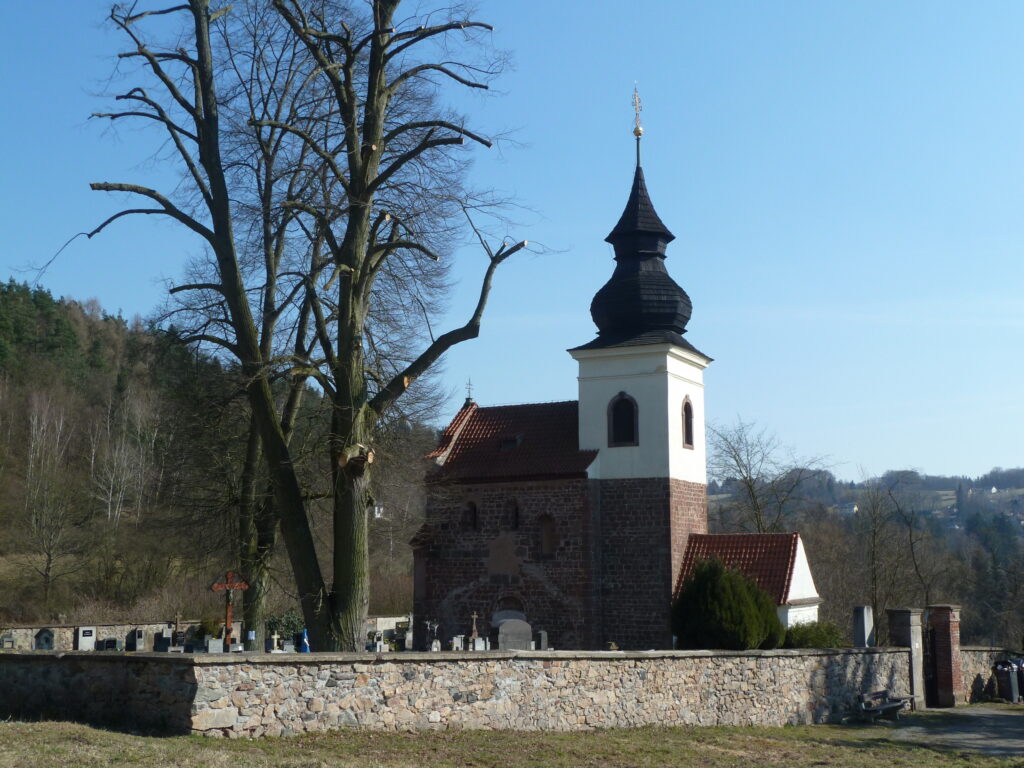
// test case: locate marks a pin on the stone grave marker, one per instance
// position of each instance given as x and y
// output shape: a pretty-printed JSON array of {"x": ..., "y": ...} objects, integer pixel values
[
  {"x": 515, "y": 635},
  {"x": 135, "y": 640},
  {"x": 541, "y": 641},
  {"x": 85, "y": 639},
  {"x": 215, "y": 645},
  {"x": 435, "y": 645}
]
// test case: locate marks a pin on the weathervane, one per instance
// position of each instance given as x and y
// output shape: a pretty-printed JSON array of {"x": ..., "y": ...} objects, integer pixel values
[
  {"x": 469, "y": 388},
  {"x": 638, "y": 129}
]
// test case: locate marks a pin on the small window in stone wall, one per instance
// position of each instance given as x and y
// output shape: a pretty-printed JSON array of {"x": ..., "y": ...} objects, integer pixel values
[
  {"x": 470, "y": 517},
  {"x": 511, "y": 522},
  {"x": 622, "y": 421},
  {"x": 687, "y": 424},
  {"x": 548, "y": 537}
]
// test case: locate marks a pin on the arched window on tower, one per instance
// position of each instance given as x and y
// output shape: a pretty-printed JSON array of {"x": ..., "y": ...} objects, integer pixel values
[
  {"x": 687, "y": 424},
  {"x": 622, "y": 421}
]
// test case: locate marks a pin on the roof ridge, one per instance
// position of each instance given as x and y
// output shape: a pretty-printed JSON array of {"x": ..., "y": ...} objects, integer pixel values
[
  {"x": 451, "y": 433},
  {"x": 527, "y": 405},
  {"x": 792, "y": 566}
]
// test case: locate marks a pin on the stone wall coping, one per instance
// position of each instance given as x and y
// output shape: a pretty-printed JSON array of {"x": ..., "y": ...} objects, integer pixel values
[
  {"x": 166, "y": 623},
  {"x": 225, "y": 659},
  {"x": 987, "y": 648}
]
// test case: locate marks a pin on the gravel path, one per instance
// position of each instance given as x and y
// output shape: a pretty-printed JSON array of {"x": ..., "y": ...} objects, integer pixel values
[{"x": 988, "y": 729}]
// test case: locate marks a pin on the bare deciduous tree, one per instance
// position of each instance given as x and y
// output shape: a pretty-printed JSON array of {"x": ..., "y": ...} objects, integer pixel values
[
  {"x": 378, "y": 188},
  {"x": 51, "y": 519},
  {"x": 764, "y": 479}
]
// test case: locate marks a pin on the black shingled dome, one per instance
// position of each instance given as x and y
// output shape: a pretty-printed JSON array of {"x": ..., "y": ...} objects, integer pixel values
[{"x": 640, "y": 304}]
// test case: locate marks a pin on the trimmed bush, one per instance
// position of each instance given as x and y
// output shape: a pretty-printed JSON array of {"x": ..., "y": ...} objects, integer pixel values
[
  {"x": 721, "y": 608},
  {"x": 817, "y": 634}
]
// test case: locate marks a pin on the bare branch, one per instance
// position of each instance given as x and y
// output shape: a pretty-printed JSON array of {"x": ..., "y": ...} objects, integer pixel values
[{"x": 169, "y": 208}]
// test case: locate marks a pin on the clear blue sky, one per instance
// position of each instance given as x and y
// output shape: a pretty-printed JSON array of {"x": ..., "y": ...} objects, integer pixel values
[{"x": 845, "y": 182}]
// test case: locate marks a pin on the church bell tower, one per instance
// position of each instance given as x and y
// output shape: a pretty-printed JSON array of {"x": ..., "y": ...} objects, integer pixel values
[{"x": 641, "y": 407}]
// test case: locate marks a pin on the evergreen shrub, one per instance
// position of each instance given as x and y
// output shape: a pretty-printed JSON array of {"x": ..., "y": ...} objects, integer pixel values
[
  {"x": 817, "y": 634},
  {"x": 721, "y": 608}
]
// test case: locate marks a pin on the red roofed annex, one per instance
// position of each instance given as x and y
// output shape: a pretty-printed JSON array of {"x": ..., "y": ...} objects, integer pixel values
[{"x": 575, "y": 517}]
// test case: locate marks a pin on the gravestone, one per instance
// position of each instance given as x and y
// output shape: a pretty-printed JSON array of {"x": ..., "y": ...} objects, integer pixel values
[
  {"x": 515, "y": 635},
  {"x": 541, "y": 641},
  {"x": 459, "y": 643},
  {"x": 43, "y": 640},
  {"x": 863, "y": 627},
  {"x": 481, "y": 644},
  {"x": 288, "y": 646},
  {"x": 85, "y": 639},
  {"x": 435, "y": 645},
  {"x": 135, "y": 640},
  {"x": 161, "y": 643},
  {"x": 215, "y": 645}
]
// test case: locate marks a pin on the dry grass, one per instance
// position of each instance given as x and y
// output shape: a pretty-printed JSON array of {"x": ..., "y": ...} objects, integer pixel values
[{"x": 70, "y": 745}]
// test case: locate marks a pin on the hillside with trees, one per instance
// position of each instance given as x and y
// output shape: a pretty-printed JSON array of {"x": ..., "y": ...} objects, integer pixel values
[
  {"x": 901, "y": 539},
  {"x": 122, "y": 454}
]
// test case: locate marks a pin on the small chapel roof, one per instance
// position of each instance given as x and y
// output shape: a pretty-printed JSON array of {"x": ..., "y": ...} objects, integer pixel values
[
  {"x": 512, "y": 442},
  {"x": 767, "y": 558}
]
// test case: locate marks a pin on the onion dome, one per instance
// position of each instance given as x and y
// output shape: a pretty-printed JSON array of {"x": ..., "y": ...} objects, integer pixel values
[{"x": 640, "y": 297}]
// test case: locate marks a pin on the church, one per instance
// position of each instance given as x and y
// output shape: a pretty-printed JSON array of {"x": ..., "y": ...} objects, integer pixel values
[{"x": 575, "y": 516}]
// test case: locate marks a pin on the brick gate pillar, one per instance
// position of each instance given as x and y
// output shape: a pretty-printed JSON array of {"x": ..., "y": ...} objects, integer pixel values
[
  {"x": 944, "y": 623},
  {"x": 905, "y": 632}
]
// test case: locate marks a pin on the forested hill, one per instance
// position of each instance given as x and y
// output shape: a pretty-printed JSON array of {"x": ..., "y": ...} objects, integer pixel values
[
  {"x": 99, "y": 423},
  {"x": 120, "y": 458}
]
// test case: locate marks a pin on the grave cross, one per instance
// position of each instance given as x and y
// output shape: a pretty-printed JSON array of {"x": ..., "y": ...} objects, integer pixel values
[
  {"x": 228, "y": 586},
  {"x": 475, "y": 616}
]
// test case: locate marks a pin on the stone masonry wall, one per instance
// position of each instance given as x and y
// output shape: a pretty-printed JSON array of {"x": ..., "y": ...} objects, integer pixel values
[
  {"x": 644, "y": 526},
  {"x": 976, "y": 667},
  {"x": 689, "y": 515},
  {"x": 64, "y": 634},
  {"x": 138, "y": 691},
  {"x": 495, "y": 560},
  {"x": 251, "y": 695}
]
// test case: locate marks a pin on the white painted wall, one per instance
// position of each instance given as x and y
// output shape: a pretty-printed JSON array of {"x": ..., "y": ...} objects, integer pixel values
[
  {"x": 791, "y": 615},
  {"x": 801, "y": 585},
  {"x": 659, "y": 377}
]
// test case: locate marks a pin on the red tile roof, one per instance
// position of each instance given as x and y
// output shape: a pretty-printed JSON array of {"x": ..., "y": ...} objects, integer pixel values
[
  {"x": 512, "y": 442},
  {"x": 767, "y": 558}
]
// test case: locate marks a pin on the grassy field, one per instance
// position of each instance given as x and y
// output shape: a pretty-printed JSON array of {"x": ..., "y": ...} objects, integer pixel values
[{"x": 69, "y": 745}]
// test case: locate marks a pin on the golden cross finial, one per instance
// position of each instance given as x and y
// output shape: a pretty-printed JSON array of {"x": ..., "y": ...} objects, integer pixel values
[{"x": 638, "y": 130}]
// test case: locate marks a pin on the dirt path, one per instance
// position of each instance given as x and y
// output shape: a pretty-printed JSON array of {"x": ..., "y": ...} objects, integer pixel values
[{"x": 990, "y": 729}]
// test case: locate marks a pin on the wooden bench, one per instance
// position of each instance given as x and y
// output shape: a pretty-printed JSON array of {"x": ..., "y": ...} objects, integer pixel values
[{"x": 877, "y": 704}]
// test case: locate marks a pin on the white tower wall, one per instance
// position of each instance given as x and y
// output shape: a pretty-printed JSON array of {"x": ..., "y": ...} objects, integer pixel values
[{"x": 659, "y": 377}]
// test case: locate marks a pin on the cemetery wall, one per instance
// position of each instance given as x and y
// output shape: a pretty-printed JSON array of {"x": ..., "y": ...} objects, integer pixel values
[
  {"x": 64, "y": 635},
  {"x": 251, "y": 695},
  {"x": 976, "y": 666},
  {"x": 137, "y": 691}
]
